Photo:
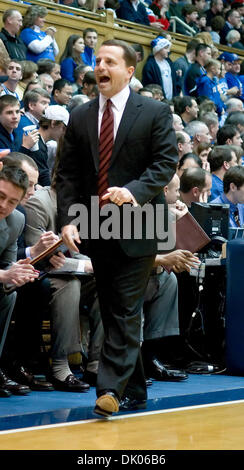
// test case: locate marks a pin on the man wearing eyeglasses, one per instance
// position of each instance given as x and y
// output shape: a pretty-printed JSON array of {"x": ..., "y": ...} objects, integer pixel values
[{"x": 233, "y": 21}]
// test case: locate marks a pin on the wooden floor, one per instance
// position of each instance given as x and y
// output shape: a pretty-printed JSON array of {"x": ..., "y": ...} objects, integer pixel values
[{"x": 212, "y": 427}]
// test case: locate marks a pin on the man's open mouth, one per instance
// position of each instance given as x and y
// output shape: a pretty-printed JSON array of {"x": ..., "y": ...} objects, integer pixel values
[{"x": 104, "y": 79}]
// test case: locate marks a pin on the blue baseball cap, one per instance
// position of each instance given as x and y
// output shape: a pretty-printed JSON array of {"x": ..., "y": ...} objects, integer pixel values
[{"x": 229, "y": 57}]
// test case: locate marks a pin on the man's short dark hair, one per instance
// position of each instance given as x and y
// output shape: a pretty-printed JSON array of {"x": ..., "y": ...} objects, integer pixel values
[
  {"x": 8, "y": 100},
  {"x": 129, "y": 53},
  {"x": 235, "y": 175},
  {"x": 183, "y": 103},
  {"x": 15, "y": 175},
  {"x": 17, "y": 158},
  {"x": 89, "y": 78},
  {"x": 79, "y": 69},
  {"x": 218, "y": 155},
  {"x": 234, "y": 118},
  {"x": 33, "y": 96},
  {"x": 201, "y": 47},
  {"x": 60, "y": 84},
  {"x": 226, "y": 132},
  {"x": 45, "y": 66},
  {"x": 193, "y": 178},
  {"x": 89, "y": 30}
]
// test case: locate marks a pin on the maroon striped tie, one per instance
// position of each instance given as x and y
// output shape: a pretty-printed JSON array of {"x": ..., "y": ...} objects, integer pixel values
[{"x": 105, "y": 149}]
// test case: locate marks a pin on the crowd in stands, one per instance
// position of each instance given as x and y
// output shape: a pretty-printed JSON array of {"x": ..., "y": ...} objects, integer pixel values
[{"x": 205, "y": 91}]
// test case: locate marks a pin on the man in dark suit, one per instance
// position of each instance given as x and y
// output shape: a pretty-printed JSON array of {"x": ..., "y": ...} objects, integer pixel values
[
  {"x": 142, "y": 160},
  {"x": 13, "y": 186}
]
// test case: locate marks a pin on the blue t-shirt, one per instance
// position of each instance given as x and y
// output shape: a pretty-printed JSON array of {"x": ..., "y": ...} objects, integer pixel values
[
  {"x": 28, "y": 35},
  {"x": 233, "y": 207},
  {"x": 217, "y": 187}
]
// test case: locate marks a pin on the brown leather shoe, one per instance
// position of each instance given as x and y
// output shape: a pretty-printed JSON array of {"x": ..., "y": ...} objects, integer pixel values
[
  {"x": 24, "y": 377},
  {"x": 13, "y": 387}
]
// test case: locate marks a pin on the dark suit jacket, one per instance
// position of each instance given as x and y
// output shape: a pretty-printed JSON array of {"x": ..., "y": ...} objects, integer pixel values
[
  {"x": 143, "y": 160},
  {"x": 10, "y": 230}
]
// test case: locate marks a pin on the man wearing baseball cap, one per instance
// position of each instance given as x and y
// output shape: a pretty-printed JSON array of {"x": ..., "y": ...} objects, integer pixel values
[
  {"x": 159, "y": 69},
  {"x": 232, "y": 65},
  {"x": 51, "y": 127}
]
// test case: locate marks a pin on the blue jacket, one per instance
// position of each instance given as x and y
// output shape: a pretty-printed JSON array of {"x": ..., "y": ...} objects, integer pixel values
[
  {"x": 126, "y": 11},
  {"x": 151, "y": 74},
  {"x": 234, "y": 80},
  {"x": 89, "y": 57},
  {"x": 68, "y": 66},
  {"x": 209, "y": 87}
]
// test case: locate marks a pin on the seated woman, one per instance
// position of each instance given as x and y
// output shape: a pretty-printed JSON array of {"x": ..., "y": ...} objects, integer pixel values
[
  {"x": 71, "y": 57},
  {"x": 40, "y": 44}
]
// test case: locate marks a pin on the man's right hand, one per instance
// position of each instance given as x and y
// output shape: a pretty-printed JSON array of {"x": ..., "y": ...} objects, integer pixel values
[
  {"x": 70, "y": 235},
  {"x": 28, "y": 141},
  {"x": 20, "y": 273}
]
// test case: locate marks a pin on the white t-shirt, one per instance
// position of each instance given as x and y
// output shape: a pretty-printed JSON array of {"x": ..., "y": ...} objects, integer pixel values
[{"x": 166, "y": 78}]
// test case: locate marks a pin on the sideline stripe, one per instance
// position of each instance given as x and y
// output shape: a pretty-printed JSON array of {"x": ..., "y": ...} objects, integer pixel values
[{"x": 124, "y": 416}]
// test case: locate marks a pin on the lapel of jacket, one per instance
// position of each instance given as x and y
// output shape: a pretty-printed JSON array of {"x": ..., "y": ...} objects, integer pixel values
[
  {"x": 132, "y": 110},
  {"x": 4, "y": 235},
  {"x": 92, "y": 125}
]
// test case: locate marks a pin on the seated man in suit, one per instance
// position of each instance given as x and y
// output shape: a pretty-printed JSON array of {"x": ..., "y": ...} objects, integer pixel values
[
  {"x": 13, "y": 186},
  {"x": 195, "y": 185},
  {"x": 65, "y": 297}
]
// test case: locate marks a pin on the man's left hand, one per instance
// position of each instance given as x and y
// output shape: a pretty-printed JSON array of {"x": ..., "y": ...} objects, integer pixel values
[{"x": 119, "y": 195}]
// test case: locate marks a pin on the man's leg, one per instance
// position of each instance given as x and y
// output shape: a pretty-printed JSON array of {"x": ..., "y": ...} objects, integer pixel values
[{"x": 121, "y": 282}]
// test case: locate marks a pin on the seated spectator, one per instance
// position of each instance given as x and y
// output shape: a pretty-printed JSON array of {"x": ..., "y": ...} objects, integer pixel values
[
  {"x": 177, "y": 123},
  {"x": 9, "y": 121},
  {"x": 207, "y": 85},
  {"x": 236, "y": 118},
  {"x": 71, "y": 57},
  {"x": 13, "y": 186},
  {"x": 195, "y": 185},
  {"x": 183, "y": 63},
  {"x": 12, "y": 22},
  {"x": 62, "y": 92},
  {"x": 216, "y": 24},
  {"x": 189, "y": 16},
  {"x": 233, "y": 39},
  {"x": 40, "y": 44},
  {"x": 188, "y": 160},
  {"x": 232, "y": 76},
  {"x": 51, "y": 127},
  {"x": 35, "y": 102},
  {"x": 228, "y": 135},
  {"x": 211, "y": 120},
  {"x": 187, "y": 108},
  {"x": 184, "y": 143},
  {"x": 160, "y": 15},
  {"x": 157, "y": 92},
  {"x": 88, "y": 83},
  {"x": 205, "y": 106},
  {"x": 203, "y": 55},
  {"x": 79, "y": 74},
  {"x": 227, "y": 89},
  {"x": 65, "y": 329},
  {"x": 76, "y": 100},
  {"x": 158, "y": 69},
  {"x": 233, "y": 195},
  {"x": 133, "y": 10},
  {"x": 232, "y": 21},
  {"x": 29, "y": 73},
  {"x": 145, "y": 91},
  {"x": 221, "y": 158},
  {"x": 202, "y": 150},
  {"x": 14, "y": 73},
  {"x": 50, "y": 67},
  {"x": 216, "y": 9},
  {"x": 201, "y": 21},
  {"x": 47, "y": 82},
  {"x": 90, "y": 41},
  {"x": 199, "y": 132}
]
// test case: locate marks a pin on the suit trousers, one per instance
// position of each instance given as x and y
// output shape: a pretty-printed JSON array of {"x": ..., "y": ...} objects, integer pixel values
[
  {"x": 121, "y": 282},
  {"x": 6, "y": 309}
]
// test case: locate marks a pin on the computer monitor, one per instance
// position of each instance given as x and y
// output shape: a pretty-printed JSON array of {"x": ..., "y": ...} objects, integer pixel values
[{"x": 213, "y": 218}]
